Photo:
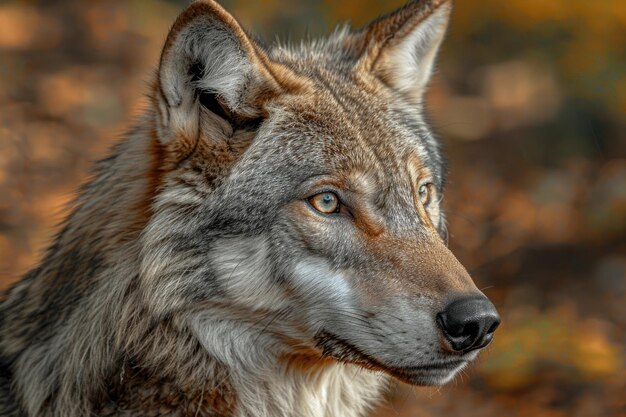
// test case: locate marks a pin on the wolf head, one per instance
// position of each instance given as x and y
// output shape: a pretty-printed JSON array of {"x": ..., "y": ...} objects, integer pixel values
[{"x": 300, "y": 199}]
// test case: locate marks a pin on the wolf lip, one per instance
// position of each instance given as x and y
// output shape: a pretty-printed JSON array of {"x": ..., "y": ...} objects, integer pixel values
[
  {"x": 434, "y": 366},
  {"x": 426, "y": 374},
  {"x": 429, "y": 374}
]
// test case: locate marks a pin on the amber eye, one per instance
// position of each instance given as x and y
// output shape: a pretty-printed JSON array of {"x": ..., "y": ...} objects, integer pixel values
[
  {"x": 327, "y": 203},
  {"x": 425, "y": 192}
]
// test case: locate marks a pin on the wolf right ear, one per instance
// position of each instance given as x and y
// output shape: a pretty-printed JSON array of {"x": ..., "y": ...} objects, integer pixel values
[
  {"x": 208, "y": 61},
  {"x": 401, "y": 47}
]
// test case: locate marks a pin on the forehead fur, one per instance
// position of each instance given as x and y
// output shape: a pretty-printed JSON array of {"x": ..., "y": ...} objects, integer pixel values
[
  {"x": 355, "y": 113},
  {"x": 357, "y": 122}
]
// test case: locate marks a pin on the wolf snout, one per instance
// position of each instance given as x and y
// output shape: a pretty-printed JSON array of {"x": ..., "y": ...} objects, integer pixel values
[{"x": 469, "y": 323}]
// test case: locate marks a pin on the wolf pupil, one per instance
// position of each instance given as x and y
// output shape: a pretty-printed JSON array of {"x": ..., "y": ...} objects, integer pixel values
[
  {"x": 326, "y": 203},
  {"x": 424, "y": 192}
]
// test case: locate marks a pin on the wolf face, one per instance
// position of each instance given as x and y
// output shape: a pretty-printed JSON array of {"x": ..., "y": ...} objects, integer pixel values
[{"x": 300, "y": 199}]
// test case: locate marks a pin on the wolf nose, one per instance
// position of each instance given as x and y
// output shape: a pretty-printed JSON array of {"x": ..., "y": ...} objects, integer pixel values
[{"x": 469, "y": 323}]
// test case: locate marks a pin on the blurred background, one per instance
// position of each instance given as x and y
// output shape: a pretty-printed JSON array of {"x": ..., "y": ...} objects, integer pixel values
[{"x": 530, "y": 102}]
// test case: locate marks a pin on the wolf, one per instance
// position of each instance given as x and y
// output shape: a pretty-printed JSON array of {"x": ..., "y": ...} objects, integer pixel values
[{"x": 267, "y": 240}]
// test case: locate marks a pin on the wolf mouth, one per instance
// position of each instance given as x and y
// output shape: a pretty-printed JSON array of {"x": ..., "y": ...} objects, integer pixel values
[{"x": 426, "y": 374}]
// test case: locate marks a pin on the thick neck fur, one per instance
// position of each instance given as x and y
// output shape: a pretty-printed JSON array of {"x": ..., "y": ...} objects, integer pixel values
[{"x": 77, "y": 338}]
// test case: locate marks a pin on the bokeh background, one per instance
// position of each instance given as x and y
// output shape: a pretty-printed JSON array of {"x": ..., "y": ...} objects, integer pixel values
[{"x": 529, "y": 99}]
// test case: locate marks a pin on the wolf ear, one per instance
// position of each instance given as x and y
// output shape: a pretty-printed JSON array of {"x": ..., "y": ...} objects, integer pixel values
[
  {"x": 401, "y": 47},
  {"x": 209, "y": 67}
]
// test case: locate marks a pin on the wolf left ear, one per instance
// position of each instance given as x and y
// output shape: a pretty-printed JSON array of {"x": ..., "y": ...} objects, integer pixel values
[
  {"x": 401, "y": 48},
  {"x": 212, "y": 77}
]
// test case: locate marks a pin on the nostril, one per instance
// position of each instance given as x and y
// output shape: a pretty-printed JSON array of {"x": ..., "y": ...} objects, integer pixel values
[
  {"x": 493, "y": 327},
  {"x": 460, "y": 334},
  {"x": 471, "y": 329}
]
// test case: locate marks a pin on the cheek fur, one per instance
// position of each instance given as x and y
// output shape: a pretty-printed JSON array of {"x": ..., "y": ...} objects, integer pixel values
[
  {"x": 244, "y": 270},
  {"x": 315, "y": 281}
]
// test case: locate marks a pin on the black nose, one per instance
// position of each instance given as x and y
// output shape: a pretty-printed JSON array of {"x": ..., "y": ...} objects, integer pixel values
[{"x": 469, "y": 323}]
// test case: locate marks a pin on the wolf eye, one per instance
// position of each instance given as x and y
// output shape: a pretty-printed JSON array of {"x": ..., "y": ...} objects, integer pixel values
[
  {"x": 425, "y": 192},
  {"x": 327, "y": 203}
]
